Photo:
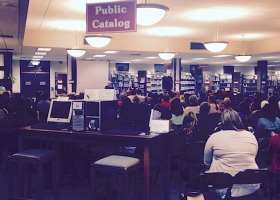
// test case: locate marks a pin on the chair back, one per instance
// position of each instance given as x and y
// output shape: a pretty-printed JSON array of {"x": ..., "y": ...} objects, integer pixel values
[
  {"x": 252, "y": 176},
  {"x": 255, "y": 176},
  {"x": 208, "y": 182}
]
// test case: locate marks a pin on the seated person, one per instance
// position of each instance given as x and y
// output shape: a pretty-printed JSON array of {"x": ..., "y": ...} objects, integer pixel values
[
  {"x": 231, "y": 150},
  {"x": 274, "y": 157},
  {"x": 43, "y": 107},
  {"x": 269, "y": 122}
]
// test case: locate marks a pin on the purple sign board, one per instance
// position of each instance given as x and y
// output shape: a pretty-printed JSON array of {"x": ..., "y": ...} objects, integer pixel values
[{"x": 118, "y": 16}]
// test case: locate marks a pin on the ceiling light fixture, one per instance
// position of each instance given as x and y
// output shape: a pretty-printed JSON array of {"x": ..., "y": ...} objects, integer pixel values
[
  {"x": 216, "y": 45},
  {"x": 243, "y": 57},
  {"x": 146, "y": 10},
  {"x": 98, "y": 41},
  {"x": 76, "y": 52},
  {"x": 166, "y": 55}
]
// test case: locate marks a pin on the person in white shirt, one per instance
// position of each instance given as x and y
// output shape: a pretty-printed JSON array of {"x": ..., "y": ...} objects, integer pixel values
[
  {"x": 231, "y": 150},
  {"x": 193, "y": 107}
]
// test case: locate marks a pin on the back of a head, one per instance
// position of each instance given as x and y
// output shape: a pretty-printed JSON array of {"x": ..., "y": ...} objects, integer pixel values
[
  {"x": 230, "y": 120},
  {"x": 139, "y": 91},
  {"x": 166, "y": 97},
  {"x": 193, "y": 100},
  {"x": 270, "y": 112},
  {"x": 212, "y": 99},
  {"x": 45, "y": 96},
  {"x": 272, "y": 100},
  {"x": 204, "y": 108},
  {"x": 176, "y": 107}
]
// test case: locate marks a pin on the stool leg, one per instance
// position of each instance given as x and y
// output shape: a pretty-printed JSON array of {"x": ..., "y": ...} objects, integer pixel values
[
  {"x": 92, "y": 179},
  {"x": 126, "y": 182},
  {"x": 10, "y": 180},
  {"x": 55, "y": 177},
  {"x": 40, "y": 181}
]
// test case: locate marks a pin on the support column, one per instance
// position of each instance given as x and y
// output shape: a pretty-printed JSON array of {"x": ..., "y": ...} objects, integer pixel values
[{"x": 176, "y": 73}]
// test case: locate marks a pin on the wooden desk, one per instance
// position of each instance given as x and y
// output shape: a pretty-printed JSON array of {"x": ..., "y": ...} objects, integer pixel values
[{"x": 144, "y": 141}]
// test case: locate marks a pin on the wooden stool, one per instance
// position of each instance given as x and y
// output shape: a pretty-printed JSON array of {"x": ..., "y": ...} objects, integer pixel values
[
  {"x": 33, "y": 159},
  {"x": 123, "y": 165}
]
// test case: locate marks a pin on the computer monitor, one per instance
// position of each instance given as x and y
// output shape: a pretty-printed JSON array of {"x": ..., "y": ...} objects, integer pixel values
[{"x": 60, "y": 111}]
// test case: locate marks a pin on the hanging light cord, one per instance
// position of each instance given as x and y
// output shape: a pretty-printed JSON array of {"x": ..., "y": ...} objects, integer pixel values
[
  {"x": 243, "y": 45},
  {"x": 216, "y": 36}
]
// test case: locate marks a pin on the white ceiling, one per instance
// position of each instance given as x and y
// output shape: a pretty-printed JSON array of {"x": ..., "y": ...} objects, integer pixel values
[{"x": 53, "y": 23}]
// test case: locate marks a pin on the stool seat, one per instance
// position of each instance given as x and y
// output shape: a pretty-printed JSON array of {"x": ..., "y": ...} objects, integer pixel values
[
  {"x": 117, "y": 161},
  {"x": 33, "y": 155}
]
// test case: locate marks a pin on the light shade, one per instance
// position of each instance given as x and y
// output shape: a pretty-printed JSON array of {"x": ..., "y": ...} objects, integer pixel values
[
  {"x": 215, "y": 46},
  {"x": 98, "y": 41},
  {"x": 166, "y": 55},
  {"x": 150, "y": 14},
  {"x": 74, "y": 52},
  {"x": 243, "y": 58}
]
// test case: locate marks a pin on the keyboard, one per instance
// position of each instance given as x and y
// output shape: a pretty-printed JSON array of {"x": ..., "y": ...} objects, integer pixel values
[{"x": 51, "y": 126}]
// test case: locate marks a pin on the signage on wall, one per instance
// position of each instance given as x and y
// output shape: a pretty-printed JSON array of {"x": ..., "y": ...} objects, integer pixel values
[
  {"x": 203, "y": 66},
  {"x": 111, "y": 17}
]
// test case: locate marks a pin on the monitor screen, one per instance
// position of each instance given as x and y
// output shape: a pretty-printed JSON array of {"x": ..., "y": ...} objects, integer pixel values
[
  {"x": 60, "y": 111},
  {"x": 160, "y": 68},
  {"x": 122, "y": 67},
  {"x": 228, "y": 69}
]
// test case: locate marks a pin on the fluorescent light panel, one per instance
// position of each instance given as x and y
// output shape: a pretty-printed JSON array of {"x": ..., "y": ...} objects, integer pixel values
[
  {"x": 44, "y": 49},
  {"x": 110, "y": 52},
  {"x": 40, "y": 53}
]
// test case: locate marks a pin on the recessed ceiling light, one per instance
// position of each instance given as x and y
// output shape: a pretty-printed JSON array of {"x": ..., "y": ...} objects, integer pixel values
[
  {"x": 198, "y": 58},
  {"x": 40, "y": 53},
  {"x": 221, "y": 56},
  {"x": 99, "y": 56},
  {"x": 111, "y": 52},
  {"x": 38, "y": 57},
  {"x": 35, "y": 59},
  {"x": 277, "y": 61},
  {"x": 44, "y": 49},
  {"x": 151, "y": 57}
]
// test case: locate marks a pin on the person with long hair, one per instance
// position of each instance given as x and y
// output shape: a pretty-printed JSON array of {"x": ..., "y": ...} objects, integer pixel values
[{"x": 231, "y": 150}]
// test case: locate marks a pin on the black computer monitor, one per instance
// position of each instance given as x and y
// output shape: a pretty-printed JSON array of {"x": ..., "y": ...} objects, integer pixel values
[{"x": 60, "y": 111}]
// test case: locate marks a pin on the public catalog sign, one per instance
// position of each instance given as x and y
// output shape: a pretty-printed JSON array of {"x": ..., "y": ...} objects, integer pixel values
[{"x": 119, "y": 16}]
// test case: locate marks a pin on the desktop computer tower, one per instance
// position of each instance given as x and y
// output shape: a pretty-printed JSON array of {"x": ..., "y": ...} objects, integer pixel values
[
  {"x": 79, "y": 116},
  {"x": 94, "y": 115},
  {"x": 101, "y": 115}
]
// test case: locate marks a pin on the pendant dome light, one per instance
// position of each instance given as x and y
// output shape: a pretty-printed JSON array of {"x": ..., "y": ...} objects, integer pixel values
[
  {"x": 149, "y": 14},
  {"x": 75, "y": 51},
  {"x": 98, "y": 41},
  {"x": 216, "y": 45},
  {"x": 243, "y": 57},
  {"x": 166, "y": 55}
]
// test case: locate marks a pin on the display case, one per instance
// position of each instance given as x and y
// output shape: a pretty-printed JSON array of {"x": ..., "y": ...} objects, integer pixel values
[{"x": 249, "y": 84}]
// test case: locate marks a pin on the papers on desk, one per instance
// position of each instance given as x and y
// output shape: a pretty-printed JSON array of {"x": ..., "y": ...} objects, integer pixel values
[{"x": 160, "y": 126}]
